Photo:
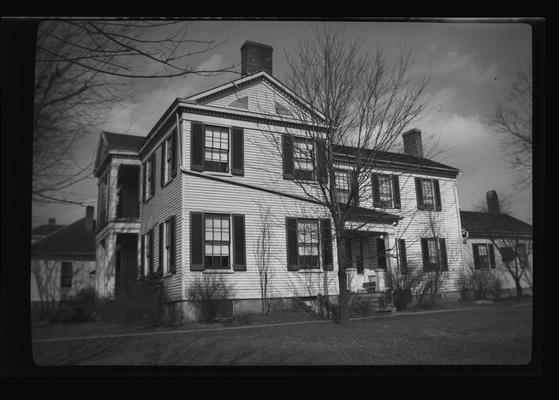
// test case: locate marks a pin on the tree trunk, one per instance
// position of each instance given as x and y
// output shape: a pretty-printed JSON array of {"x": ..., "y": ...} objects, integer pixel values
[
  {"x": 342, "y": 283},
  {"x": 518, "y": 288}
]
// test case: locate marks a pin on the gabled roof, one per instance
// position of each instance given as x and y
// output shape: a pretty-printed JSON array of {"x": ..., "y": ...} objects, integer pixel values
[
  {"x": 71, "y": 240},
  {"x": 485, "y": 224},
  {"x": 224, "y": 89},
  {"x": 119, "y": 141},
  {"x": 46, "y": 229},
  {"x": 386, "y": 157},
  {"x": 110, "y": 142}
]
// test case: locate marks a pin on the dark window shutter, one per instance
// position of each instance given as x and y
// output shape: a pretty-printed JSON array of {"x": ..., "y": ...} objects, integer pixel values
[
  {"x": 144, "y": 182},
  {"x": 444, "y": 258},
  {"x": 151, "y": 238},
  {"x": 326, "y": 235},
  {"x": 381, "y": 253},
  {"x": 163, "y": 162},
  {"x": 475, "y": 251},
  {"x": 172, "y": 261},
  {"x": 492, "y": 256},
  {"x": 153, "y": 164},
  {"x": 292, "y": 251},
  {"x": 143, "y": 260},
  {"x": 403, "y": 256},
  {"x": 239, "y": 246},
  {"x": 287, "y": 145},
  {"x": 438, "y": 205},
  {"x": 196, "y": 241},
  {"x": 376, "y": 190},
  {"x": 237, "y": 152},
  {"x": 322, "y": 161},
  {"x": 419, "y": 194},
  {"x": 174, "y": 155},
  {"x": 425, "y": 254},
  {"x": 396, "y": 191},
  {"x": 197, "y": 147},
  {"x": 161, "y": 247}
]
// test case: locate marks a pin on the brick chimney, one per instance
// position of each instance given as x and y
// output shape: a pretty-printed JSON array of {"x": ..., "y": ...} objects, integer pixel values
[
  {"x": 52, "y": 221},
  {"x": 412, "y": 143},
  {"x": 492, "y": 202},
  {"x": 256, "y": 57},
  {"x": 89, "y": 222}
]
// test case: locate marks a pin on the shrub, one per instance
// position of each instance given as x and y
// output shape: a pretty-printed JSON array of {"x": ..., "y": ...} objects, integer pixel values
[
  {"x": 79, "y": 308},
  {"x": 482, "y": 284},
  {"x": 403, "y": 286},
  {"x": 208, "y": 294},
  {"x": 138, "y": 302}
]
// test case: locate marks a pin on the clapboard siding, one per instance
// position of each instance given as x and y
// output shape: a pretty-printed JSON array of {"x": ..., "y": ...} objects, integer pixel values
[
  {"x": 501, "y": 270},
  {"x": 213, "y": 197},
  {"x": 164, "y": 203}
]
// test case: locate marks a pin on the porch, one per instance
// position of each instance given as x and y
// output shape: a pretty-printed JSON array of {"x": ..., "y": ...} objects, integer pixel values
[{"x": 366, "y": 260}]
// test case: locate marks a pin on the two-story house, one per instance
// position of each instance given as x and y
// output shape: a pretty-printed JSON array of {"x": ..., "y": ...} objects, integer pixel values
[{"x": 219, "y": 165}]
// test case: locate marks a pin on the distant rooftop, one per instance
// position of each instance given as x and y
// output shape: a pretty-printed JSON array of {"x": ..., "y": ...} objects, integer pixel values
[
  {"x": 71, "y": 240},
  {"x": 46, "y": 229},
  {"x": 483, "y": 223}
]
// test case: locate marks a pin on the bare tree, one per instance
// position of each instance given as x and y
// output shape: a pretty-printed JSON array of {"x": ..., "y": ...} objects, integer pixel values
[
  {"x": 263, "y": 256},
  {"x": 83, "y": 68},
  {"x": 512, "y": 123},
  {"x": 358, "y": 105}
]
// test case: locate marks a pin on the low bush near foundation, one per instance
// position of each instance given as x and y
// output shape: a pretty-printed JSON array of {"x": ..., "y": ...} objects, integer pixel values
[
  {"x": 79, "y": 308},
  {"x": 137, "y": 302},
  {"x": 210, "y": 294},
  {"x": 481, "y": 285}
]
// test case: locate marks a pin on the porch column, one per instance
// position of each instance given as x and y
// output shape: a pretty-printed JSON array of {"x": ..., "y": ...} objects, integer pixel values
[{"x": 105, "y": 271}]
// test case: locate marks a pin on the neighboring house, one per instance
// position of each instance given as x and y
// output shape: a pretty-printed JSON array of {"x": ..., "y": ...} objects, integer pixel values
[
  {"x": 216, "y": 160},
  {"x": 498, "y": 244},
  {"x": 42, "y": 231},
  {"x": 63, "y": 263}
]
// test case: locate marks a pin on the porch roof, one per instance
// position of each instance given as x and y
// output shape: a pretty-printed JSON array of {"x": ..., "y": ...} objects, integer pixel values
[{"x": 367, "y": 215}]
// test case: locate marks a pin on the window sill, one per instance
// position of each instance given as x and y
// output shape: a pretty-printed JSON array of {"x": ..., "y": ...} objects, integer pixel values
[
  {"x": 218, "y": 271},
  {"x": 310, "y": 270},
  {"x": 168, "y": 182}
]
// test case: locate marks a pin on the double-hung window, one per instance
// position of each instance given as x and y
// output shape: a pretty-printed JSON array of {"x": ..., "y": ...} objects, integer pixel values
[
  {"x": 484, "y": 255},
  {"x": 147, "y": 249},
  {"x": 216, "y": 148},
  {"x": 66, "y": 275},
  {"x": 308, "y": 244},
  {"x": 434, "y": 254},
  {"x": 169, "y": 159},
  {"x": 342, "y": 185},
  {"x": 428, "y": 194},
  {"x": 385, "y": 190},
  {"x": 217, "y": 240},
  {"x": 303, "y": 155},
  {"x": 149, "y": 177}
]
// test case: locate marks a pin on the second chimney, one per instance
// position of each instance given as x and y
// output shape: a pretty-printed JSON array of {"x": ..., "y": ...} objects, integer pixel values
[
  {"x": 492, "y": 202},
  {"x": 52, "y": 221},
  {"x": 412, "y": 143},
  {"x": 256, "y": 57},
  {"x": 89, "y": 223}
]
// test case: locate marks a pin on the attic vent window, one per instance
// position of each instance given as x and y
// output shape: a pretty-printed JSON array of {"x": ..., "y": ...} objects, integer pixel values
[
  {"x": 240, "y": 103},
  {"x": 282, "y": 110}
]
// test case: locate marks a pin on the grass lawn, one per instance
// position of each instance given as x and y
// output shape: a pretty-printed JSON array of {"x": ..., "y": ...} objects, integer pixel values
[{"x": 500, "y": 334}]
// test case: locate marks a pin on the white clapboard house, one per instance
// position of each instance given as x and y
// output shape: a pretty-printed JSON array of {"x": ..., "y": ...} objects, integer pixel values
[{"x": 191, "y": 198}]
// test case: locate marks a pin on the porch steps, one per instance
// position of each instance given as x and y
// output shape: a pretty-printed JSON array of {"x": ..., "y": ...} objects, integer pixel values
[{"x": 369, "y": 303}]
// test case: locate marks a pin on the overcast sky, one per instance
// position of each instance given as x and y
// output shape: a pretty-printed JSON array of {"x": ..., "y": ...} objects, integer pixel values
[{"x": 471, "y": 67}]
